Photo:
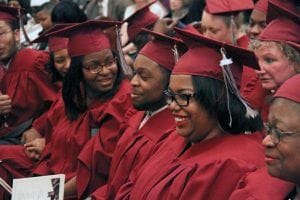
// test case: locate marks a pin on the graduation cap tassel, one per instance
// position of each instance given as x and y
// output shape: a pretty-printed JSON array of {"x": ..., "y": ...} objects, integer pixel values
[
  {"x": 175, "y": 52},
  {"x": 231, "y": 87},
  {"x": 127, "y": 70},
  {"x": 28, "y": 42}
]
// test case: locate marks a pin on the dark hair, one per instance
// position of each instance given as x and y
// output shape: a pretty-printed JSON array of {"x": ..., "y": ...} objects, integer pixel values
[
  {"x": 55, "y": 75},
  {"x": 211, "y": 94},
  {"x": 13, "y": 24},
  {"x": 47, "y": 7},
  {"x": 67, "y": 12},
  {"x": 73, "y": 91}
]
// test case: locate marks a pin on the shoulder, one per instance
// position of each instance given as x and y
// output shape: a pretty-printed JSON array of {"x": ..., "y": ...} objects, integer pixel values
[{"x": 29, "y": 59}]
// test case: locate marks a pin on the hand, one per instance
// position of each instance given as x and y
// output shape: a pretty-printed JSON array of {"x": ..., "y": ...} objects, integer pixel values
[
  {"x": 30, "y": 135},
  {"x": 5, "y": 104},
  {"x": 164, "y": 25},
  {"x": 35, "y": 148}
]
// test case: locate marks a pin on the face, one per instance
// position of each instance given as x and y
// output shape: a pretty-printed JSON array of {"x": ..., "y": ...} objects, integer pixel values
[
  {"x": 176, "y": 4},
  {"x": 104, "y": 80},
  {"x": 192, "y": 121},
  {"x": 148, "y": 84},
  {"x": 257, "y": 23},
  {"x": 283, "y": 159},
  {"x": 14, "y": 4},
  {"x": 8, "y": 41},
  {"x": 275, "y": 68},
  {"x": 62, "y": 61},
  {"x": 44, "y": 19},
  {"x": 213, "y": 26}
]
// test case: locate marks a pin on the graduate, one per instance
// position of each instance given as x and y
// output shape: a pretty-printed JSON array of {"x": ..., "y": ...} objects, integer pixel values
[
  {"x": 94, "y": 99},
  {"x": 282, "y": 139},
  {"x": 26, "y": 88},
  {"x": 277, "y": 47},
  {"x": 147, "y": 129},
  {"x": 223, "y": 21},
  {"x": 208, "y": 154}
]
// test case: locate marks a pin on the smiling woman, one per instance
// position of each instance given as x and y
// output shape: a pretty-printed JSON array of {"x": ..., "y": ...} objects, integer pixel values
[
  {"x": 283, "y": 134},
  {"x": 207, "y": 149}
]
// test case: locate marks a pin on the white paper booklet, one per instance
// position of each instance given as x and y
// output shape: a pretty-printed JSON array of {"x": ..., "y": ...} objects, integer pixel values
[{"x": 39, "y": 188}]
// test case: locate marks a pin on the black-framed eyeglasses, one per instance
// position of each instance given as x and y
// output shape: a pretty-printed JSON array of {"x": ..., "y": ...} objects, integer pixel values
[
  {"x": 95, "y": 66},
  {"x": 181, "y": 99},
  {"x": 276, "y": 134}
]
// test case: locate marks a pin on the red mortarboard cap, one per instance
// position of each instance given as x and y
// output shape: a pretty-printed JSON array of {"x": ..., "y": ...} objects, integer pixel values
[
  {"x": 87, "y": 37},
  {"x": 277, "y": 8},
  {"x": 290, "y": 89},
  {"x": 261, "y": 5},
  {"x": 9, "y": 13},
  {"x": 227, "y": 6},
  {"x": 283, "y": 30},
  {"x": 203, "y": 57},
  {"x": 161, "y": 48},
  {"x": 140, "y": 19},
  {"x": 54, "y": 43}
]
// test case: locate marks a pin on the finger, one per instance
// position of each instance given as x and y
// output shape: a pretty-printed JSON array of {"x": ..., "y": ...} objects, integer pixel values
[
  {"x": 32, "y": 148},
  {"x": 4, "y": 97}
]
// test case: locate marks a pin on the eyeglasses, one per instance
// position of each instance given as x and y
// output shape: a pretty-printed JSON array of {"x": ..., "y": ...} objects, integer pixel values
[
  {"x": 180, "y": 99},
  {"x": 95, "y": 66},
  {"x": 276, "y": 134}
]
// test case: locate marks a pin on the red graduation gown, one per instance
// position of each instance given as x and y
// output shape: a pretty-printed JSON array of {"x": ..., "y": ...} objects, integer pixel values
[
  {"x": 135, "y": 147},
  {"x": 209, "y": 169},
  {"x": 65, "y": 139},
  {"x": 68, "y": 138},
  {"x": 29, "y": 86}
]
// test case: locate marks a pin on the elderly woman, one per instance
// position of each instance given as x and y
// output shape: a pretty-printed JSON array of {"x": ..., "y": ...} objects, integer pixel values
[
  {"x": 208, "y": 154},
  {"x": 283, "y": 131},
  {"x": 94, "y": 100},
  {"x": 277, "y": 49}
]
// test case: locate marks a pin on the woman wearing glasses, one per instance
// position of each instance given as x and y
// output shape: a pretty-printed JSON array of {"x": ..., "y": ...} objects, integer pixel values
[
  {"x": 208, "y": 156},
  {"x": 94, "y": 101},
  {"x": 283, "y": 135}
]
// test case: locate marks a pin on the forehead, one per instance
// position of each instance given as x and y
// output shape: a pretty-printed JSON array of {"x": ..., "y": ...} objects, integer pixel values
[
  {"x": 212, "y": 20},
  {"x": 99, "y": 55},
  {"x": 269, "y": 47},
  {"x": 180, "y": 82},
  {"x": 286, "y": 113},
  {"x": 4, "y": 24},
  {"x": 142, "y": 62},
  {"x": 257, "y": 15}
]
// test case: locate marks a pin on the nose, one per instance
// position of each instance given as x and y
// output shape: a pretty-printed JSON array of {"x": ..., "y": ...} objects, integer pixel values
[
  {"x": 134, "y": 81},
  {"x": 173, "y": 106},
  {"x": 267, "y": 141},
  {"x": 255, "y": 30},
  {"x": 67, "y": 64}
]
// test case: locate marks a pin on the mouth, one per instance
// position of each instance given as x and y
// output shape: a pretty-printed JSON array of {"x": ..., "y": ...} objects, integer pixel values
[
  {"x": 270, "y": 160},
  {"x": 180, "y": 121},
  {"x": 106, "y": 81}
]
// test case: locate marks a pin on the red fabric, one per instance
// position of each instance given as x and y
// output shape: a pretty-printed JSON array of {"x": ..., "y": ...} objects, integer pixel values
[
  {"x": 209, "y": 169},
  {"x": 135, "y": 147},
  {"x": 29, "y": 86},
  {"x": 290, "y": 89},
  {"x": 287, "y": 8},
  {"x": 87, "y": 37},
  {"x": 68, "y": 138},
  {"x": 8, "y": 13},
  {"x": 282, "y": 30},
  {"x": 57, "y": 43},
  {"x": 192, "y": 64},
  {"x": 140, "y": 19},
  {"x": 261, "y": 5},
  {"x": 161, "y": 49},
  {"x": 256, "y": 186},
  {"x": 227, "y": 6}
]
